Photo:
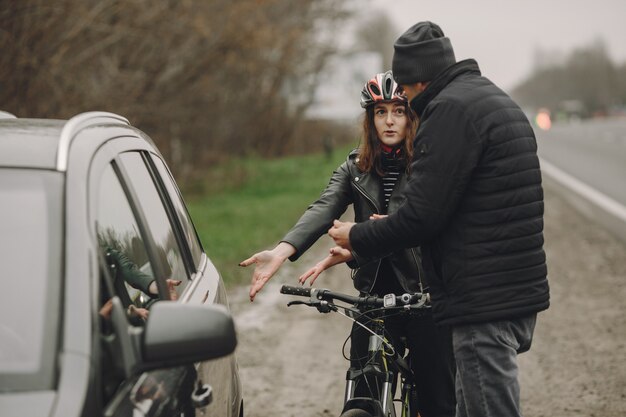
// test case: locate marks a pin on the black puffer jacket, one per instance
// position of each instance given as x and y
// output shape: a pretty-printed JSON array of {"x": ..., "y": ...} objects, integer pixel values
[
  {"x": 348, "y": 185},
  {"x": 474, "y": 203}
]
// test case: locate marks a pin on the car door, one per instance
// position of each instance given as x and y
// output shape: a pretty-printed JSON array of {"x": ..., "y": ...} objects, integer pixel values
[
  {"x": 137, "y": 260},
  {"x": 178, "y": 253}
]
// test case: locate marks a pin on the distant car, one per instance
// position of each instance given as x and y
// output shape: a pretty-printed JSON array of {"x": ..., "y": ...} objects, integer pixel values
[{"x": 109, "y": 304}]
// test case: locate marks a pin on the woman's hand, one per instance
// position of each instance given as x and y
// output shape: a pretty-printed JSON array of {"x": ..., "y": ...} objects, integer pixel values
[
  {"x": 139, "y": 312},
  {"x": 171, "y": 288},
  {"x": 336, "y": 256},
  {"x": 267, "y": 263}
]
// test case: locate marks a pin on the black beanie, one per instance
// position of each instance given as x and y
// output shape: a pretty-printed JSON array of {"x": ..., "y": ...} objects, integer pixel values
[{"x": 421, "y": 53}]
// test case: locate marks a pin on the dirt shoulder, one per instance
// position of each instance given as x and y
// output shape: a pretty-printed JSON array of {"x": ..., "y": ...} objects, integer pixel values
[
  {"x": 577, "y": 365},
  {"x": 291, "y": 361}
]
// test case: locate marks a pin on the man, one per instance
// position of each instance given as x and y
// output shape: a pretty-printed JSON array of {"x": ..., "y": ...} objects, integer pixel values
[{"x": 474, "y": 203}]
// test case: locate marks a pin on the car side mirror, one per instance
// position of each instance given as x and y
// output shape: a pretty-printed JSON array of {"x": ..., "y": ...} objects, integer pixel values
[{"x": 179, "y": 334}]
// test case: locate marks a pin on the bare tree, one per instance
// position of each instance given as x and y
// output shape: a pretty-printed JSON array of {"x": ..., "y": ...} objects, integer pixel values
[
  {"x": 204, "y": 78},
  {"x": 377, "y": 33}
]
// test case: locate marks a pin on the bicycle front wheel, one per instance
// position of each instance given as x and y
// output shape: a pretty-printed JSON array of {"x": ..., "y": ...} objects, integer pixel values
[{"x": 356, "y": 412}]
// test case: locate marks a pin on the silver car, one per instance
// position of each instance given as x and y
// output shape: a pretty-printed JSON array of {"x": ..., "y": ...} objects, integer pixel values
[{"x": 109, "y": 304}]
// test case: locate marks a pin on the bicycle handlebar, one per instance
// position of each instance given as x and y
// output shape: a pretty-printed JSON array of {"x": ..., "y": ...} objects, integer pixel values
[{"x": 388, "y": 301}]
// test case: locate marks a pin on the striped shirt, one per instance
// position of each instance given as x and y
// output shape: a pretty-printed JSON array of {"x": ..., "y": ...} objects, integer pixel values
[
  {"x": 389, "y": 182},
  {"x": 392, "y": 163}
]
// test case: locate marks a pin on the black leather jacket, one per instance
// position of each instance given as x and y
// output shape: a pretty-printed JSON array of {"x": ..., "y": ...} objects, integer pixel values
[{"x": 348, "y": 185}]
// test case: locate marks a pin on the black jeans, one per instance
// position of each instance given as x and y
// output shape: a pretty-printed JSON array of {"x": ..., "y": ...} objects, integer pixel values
[{"x": 431, "y": 354}]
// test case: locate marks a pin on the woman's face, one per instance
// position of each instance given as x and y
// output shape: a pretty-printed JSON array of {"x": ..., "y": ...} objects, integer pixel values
[{"x": 391, "y": 122}]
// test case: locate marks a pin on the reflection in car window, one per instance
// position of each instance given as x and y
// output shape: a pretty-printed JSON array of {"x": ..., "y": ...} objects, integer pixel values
[
  {"x": 183, "y": 215},
  {"x": 130, "y": 274},
  {"x": 124, "y": 249},
  {"x": 156, "y": 217}
]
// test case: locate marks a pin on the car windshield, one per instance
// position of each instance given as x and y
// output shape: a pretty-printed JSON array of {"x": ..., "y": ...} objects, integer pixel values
[{"x": 31, "y": 248}]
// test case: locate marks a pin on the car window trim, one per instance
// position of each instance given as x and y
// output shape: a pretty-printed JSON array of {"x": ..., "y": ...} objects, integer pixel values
[
  {"x": 180, "y": 196},
  {"x": 175, "y": 222}
]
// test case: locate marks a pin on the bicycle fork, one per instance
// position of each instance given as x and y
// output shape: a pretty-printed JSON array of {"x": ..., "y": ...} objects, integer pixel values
[{"x": 376, "y": 375}]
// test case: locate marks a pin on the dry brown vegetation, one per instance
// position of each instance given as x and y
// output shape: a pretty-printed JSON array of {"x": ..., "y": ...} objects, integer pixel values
[{"x": 203, "y": 78}]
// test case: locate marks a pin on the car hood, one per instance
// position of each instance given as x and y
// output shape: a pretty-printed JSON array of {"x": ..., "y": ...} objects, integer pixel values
[{"x": 22, "y": 404}]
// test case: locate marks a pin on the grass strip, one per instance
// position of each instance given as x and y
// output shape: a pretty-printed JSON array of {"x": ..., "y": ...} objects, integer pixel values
[{"x": 239, "y": 220}]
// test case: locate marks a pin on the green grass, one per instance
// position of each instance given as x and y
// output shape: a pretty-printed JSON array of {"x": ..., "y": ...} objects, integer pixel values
[{"x": 267, "y": 199}]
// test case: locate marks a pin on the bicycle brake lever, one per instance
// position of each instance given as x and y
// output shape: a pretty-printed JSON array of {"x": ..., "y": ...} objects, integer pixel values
[
  {"x": 325, "y": 307},
  {"x": 297, "y": 302},
  {"x": 322, "y": 306}
]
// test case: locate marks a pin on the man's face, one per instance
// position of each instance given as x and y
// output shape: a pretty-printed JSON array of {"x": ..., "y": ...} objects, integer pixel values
[{"x": 413, "y": 90}]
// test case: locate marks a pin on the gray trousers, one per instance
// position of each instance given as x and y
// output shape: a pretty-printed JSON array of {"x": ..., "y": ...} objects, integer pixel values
[{"x": 486, "y": 363}]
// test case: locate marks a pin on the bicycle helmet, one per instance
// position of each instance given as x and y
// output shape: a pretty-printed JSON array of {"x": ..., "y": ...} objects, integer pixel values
[{"x": 381, "y": 88}]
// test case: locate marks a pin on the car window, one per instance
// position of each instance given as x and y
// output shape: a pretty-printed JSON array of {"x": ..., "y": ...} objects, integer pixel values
[
  {"x": 123, "y": 247},
  {"x": 156, "y": 218},
  {"x": 127, "y": 271},
  {"x": 31, "y": 251},
  {"x": 181, "y": 210}
]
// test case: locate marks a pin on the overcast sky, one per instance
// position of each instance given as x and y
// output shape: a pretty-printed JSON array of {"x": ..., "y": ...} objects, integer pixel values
[{"x": 502, "y": 35}]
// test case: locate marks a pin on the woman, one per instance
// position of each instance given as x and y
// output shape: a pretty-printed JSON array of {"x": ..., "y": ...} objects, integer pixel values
[{"x": 370, "y": 180}]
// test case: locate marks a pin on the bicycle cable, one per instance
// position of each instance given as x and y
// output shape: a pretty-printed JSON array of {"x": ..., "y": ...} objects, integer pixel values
[{"x": 382, "y": 339}]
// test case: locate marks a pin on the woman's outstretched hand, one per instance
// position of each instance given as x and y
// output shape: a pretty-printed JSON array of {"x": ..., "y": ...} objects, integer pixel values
[
  {"x": 336, "y": 256},
  {"x": 267, "y": 263}
]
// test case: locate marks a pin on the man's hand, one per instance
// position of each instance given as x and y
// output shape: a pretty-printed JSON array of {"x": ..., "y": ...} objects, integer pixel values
[
  {"x": 267, "y": 263},
  {"x": 340, "y": 232},
  {"x": 336, "y": 256}
]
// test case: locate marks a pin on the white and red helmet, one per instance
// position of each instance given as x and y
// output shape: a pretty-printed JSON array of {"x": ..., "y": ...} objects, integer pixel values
[{"x": 381, "y": 88}]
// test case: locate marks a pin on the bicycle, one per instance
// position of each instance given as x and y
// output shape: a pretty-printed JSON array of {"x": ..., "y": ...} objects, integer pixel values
[{"x": 383, "y": 361}]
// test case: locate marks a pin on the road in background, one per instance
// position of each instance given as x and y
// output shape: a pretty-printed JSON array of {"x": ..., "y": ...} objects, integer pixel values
[
  {"x": 593, "y": 151},
  {"x": 586, "y": 162}
]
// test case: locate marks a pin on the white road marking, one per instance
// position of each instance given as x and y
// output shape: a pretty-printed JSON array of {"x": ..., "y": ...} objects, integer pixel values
[{"x": 602, "y": 200}]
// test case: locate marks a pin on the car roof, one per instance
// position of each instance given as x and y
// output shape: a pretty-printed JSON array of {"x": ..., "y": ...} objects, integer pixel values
[
  {"x": 30, "y": 143},
  {"x": 44, "y": 143}
]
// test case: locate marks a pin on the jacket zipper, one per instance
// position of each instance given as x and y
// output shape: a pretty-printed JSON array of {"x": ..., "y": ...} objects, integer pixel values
[
  {"x": 377, "y": 211},
  {"x": 367, "y": 197}
]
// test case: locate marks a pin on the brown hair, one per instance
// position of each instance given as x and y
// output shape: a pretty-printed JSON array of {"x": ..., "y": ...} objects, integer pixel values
[{"x": 370, "y": 150}]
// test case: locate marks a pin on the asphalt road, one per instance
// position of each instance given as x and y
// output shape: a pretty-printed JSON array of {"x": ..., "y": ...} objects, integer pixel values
[{"x": 593, "y": 151}]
